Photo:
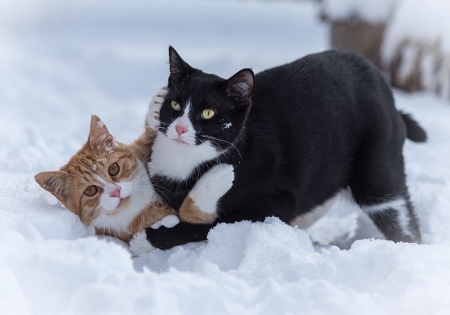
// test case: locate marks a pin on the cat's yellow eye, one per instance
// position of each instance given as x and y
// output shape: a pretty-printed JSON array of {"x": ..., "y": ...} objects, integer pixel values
[
  {"x": 208, "y": 113},
  {"x": 113, "y": 169},
  {"x": 175, "y": 105},
  {"x": 91, "y": 191}
]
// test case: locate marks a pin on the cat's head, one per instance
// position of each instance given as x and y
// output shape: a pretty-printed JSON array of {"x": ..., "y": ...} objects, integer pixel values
[
  {"x": 203, "y": 109},
  {"x": 100, "y": 181}
]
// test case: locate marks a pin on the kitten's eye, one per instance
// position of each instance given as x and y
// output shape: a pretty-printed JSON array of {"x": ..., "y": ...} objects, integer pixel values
[
  {"x": 114, "y": 169},
  {"x": 208, "y": 114},
  {"x": 91, "y": 190},
  {"x": 175, "y": 105}
]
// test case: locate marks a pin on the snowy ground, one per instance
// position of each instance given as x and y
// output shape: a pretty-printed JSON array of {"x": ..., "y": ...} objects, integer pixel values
[{"x": 60, "y": 62}]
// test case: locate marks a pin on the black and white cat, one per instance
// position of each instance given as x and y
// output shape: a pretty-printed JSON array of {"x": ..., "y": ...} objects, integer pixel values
[{"x": 316, "y": 126}]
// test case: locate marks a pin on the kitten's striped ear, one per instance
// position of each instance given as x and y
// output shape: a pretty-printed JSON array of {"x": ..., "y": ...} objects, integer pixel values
[
  {"x": 241, "y": 85},
  {"x": 178, "y": 67},
  {"x": 99, "y": 135},
  {"x": 55, "y": 183}
]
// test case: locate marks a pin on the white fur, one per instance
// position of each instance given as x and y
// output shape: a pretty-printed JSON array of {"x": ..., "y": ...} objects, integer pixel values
[
  {"x": 398, "y": 205},
  {"x": 306, "y": 220},
  {"x": 177, "y": 161},
  {"x": 139, "y": 244},
  {"x": 169, "y": 222},
  {"x": 141, "y": 193},
  {"x": 154, "y": 108},
  {"x": 189, "y": 136},
  {"x": 212, "y": 186},
  {"x": 107, "y": 203}
]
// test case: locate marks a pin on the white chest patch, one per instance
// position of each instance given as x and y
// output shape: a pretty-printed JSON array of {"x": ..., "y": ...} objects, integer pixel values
[{"x": 178, "y": 161}]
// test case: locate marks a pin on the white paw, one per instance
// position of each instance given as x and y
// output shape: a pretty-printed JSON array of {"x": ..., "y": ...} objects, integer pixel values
[
  {"x": 212, "y": 186},
  {"x": 139, "y": 244},
  {"x": 169, "y": 222},
  {"x": 155, "y": 106}
]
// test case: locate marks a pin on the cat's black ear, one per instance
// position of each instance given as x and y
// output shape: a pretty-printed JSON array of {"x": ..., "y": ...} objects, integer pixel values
[
  {"x": 178, "y": 67},
  {"x": 241, "y": 86},
  {"x": 99, "y": 134},
  {"x": 55, "y": 183}
]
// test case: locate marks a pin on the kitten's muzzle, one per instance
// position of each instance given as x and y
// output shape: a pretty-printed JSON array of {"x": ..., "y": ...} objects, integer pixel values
[{"x": 115, "y": 193}]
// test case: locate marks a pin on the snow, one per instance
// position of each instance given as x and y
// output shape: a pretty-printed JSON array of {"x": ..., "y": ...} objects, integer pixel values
[
  {"x": 374, "y": 12},
  {"x": 61, "y": 62}
]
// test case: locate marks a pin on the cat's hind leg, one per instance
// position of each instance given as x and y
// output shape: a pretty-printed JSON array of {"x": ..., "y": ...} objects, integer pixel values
[
  {"x": 378, "y": 186},
  {"x": 201, "y": 204}
]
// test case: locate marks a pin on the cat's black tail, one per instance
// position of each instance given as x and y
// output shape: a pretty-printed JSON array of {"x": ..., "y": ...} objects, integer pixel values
[{"x": 413, "y": 130}]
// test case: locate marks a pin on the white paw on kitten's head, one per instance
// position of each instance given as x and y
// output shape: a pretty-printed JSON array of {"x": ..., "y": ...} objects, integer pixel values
[{"x": 154, "y": 108}]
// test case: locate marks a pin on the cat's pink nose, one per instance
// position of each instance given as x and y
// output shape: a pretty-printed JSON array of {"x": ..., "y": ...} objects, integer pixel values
[
  {"x": 115, "y": 193},
  {"x": 181, "y": 129}
]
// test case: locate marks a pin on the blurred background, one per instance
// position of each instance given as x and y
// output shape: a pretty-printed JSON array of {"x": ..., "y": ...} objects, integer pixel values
[{"x": 61, "y": 61}]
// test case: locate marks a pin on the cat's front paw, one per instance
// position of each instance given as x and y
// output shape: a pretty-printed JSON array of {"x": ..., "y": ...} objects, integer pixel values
[
  {"x": 201, "y": 204},
  {"x": 139, "y": 244},
  {"x": 168, "y": 221},
  {"x": 155, "y": 106},
  {"x": 213, "y": 185}
]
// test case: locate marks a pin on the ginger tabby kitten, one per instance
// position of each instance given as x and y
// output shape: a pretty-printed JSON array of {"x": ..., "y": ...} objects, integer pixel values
[{"x": 107, "y": 186}]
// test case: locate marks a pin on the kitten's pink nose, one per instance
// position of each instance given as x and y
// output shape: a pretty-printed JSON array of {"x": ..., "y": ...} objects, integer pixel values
[
  {"x": 115, "y": 193},
  {"x": 181, "y": 129}
]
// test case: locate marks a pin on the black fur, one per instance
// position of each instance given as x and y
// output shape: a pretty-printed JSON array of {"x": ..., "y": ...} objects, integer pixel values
[
  {"x": 413, "y": 131},
  {"x": 316, "y": 126}
]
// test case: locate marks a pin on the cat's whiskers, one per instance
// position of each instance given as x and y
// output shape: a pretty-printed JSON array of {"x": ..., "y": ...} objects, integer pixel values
[
  {"x": 217, "y": 158},
  {"x": 138, "y": 176},
  {"x": 225, "y": 142},
  {"x": 88, "y": 215},
  {"x": 140, "y": 182},
  {"x": 142, "y": 176},
  {"x": 197, "y": 169},
  {"x": 145, "y": 143},
  {"x": 160, "y": 192}
]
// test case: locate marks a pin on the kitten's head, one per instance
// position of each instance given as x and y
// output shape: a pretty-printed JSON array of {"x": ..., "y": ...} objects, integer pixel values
[
  {"x": 100, "y": 181},
  {"x": 203, "y": 109}
]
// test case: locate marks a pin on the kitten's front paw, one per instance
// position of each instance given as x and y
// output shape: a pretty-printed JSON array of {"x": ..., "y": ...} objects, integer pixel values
[
  {"x": 212, "y": 186},
  {"x": 168, "y": 221},
  {"x": 139, "y": 244},
  {"x": 155, "y": 106}
]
